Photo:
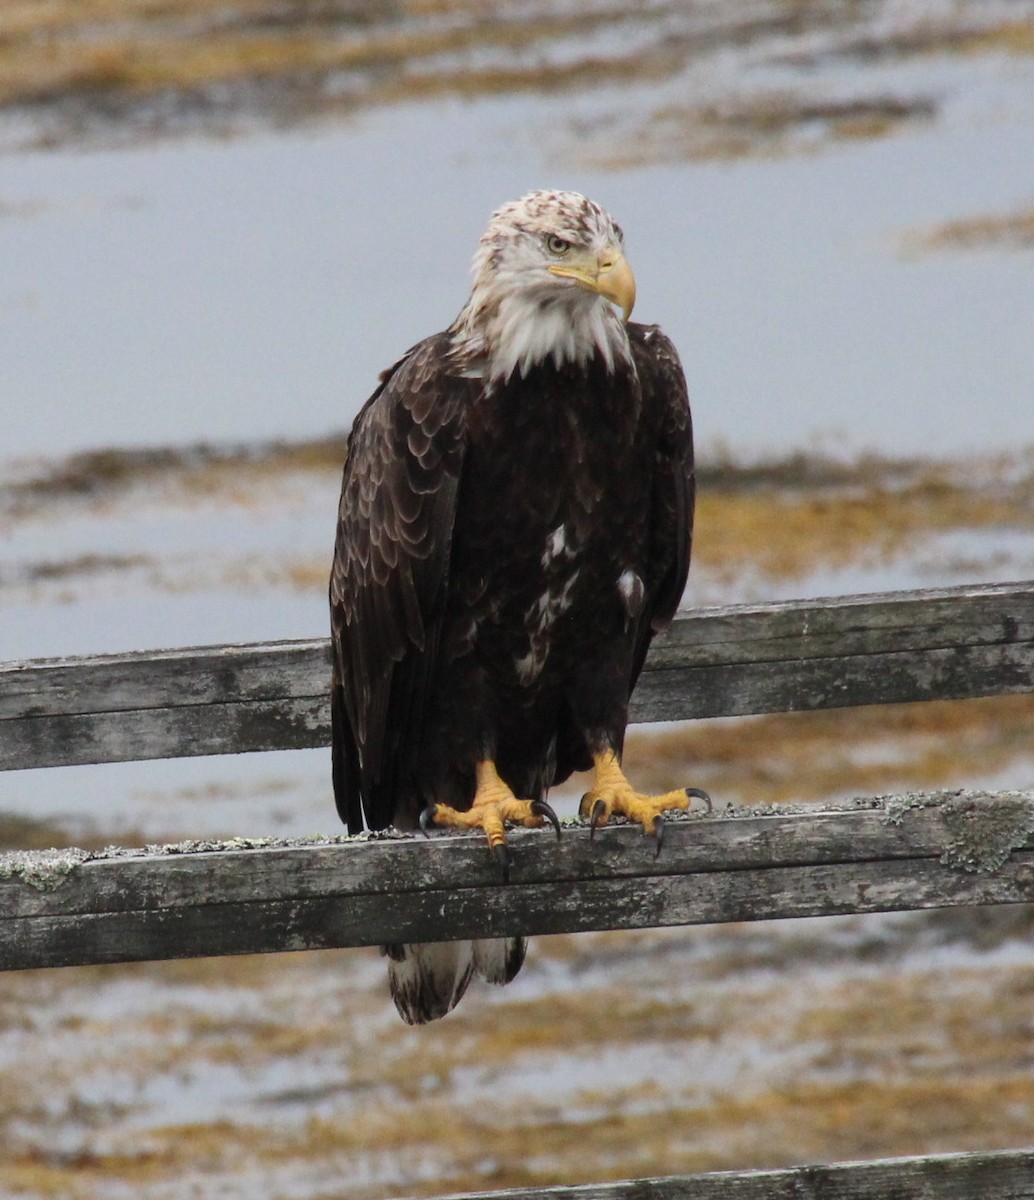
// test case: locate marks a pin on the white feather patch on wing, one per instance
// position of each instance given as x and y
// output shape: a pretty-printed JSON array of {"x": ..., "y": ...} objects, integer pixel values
[
  {"x": 632, "y": 591},
  {"x": 556, "y": 544},
  {"x": 429, "y": 979}
]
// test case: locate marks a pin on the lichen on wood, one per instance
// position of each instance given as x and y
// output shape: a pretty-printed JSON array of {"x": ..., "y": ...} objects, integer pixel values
[
  {"x": 42, "y": 869},
  {"x": 982, "y": 828}
]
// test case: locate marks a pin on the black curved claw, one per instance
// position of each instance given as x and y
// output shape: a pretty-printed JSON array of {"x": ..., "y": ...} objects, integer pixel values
[
  {"x": 599, "y": 809},
  {"x": 502, "y": 857},
  {"x": 541, "y": 809},
  {"x": 658, "y": 832},
  {"x": 427, "y": 820},
  {"x": 699, "y": 794}
]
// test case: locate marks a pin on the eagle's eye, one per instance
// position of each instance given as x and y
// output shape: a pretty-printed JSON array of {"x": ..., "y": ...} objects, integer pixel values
[{"x": 557, "y": 245}]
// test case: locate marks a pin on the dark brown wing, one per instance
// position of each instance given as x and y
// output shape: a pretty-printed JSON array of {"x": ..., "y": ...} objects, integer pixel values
[
  {"x": 388, "y": 582},
  {"x": 666, "y": 408}
]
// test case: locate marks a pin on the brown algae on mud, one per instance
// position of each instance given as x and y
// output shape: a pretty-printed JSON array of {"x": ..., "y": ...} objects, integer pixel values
[
  {"x": 855, "y": 1063},
  {"x": 766, "y": 125},
  {"x": 791, "y": 517},
  {"x": 774, "y": 520},
  {"x": 992, "y": 231},
  {"x": 105, "y": 475},
  {"x": 117, "y": 64},
  {"x": 117, "y": 68}
]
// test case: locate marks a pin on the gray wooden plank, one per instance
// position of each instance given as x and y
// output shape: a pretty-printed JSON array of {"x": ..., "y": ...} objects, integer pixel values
[
  {"x": 878, "y": 622},
  {"x": 144, "y": 679},
  {"x": 315, "y": 922},
  {"x": 179, "y": 731},
  {"x": 41, "y": 883},
  {"x": 922, "y": 645},
  {"x": 232, "y": 901},
  {"x": 303, "y": 722},
  {"x": 811, "y": 684},
  {"x": 1000, "y": 1175},
  {"x": 991, "y": 614}
]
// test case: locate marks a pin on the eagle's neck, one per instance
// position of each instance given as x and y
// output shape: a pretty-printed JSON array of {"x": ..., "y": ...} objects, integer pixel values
[{"x": 499, "y": 333}]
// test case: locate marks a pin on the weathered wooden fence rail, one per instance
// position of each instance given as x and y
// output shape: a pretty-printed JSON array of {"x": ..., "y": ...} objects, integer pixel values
[
  {"x": 898, "y": 853},
  {"x": 1006, "y": 1175},
  {"x": 949, "y": 643},
  {"x": 929, "y": 851}
]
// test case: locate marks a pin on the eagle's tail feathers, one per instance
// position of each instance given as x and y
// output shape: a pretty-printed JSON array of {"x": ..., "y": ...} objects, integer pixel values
[
  {"x": 428, "y": 980},
  {"x": 498, "y": 960}
]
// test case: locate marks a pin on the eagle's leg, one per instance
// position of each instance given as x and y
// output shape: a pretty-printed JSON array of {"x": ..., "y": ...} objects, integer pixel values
[
  {"x": 493, "y": 805},
  {"x": 612, "y": 793}
]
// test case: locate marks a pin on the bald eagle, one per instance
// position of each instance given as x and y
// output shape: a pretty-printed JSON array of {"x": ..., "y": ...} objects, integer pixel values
[{"x": 514, "y": 528}]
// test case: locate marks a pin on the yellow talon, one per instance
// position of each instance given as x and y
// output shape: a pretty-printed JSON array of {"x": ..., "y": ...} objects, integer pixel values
[
  {"x": 493, "y": 805},
  {"x": 612, "y": 793}
]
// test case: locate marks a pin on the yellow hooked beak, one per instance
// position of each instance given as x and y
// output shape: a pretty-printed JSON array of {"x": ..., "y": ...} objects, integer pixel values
[{"x": 609, "y": 276}]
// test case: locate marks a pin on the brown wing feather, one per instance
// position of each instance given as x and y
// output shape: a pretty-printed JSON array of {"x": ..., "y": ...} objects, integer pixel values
[
  {"x": 387, "y": 584},
  {"x": 665, "y": 397}
]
